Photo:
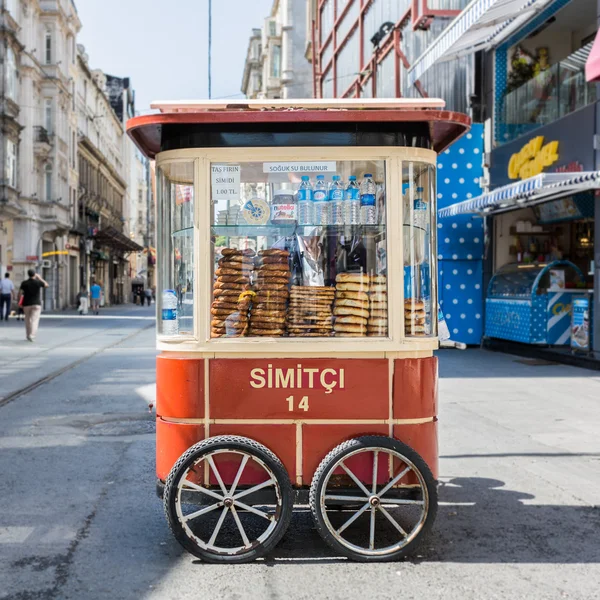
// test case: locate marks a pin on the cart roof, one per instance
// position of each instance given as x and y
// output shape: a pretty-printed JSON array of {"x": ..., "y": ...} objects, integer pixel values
[{"x": 445, "y": 126}]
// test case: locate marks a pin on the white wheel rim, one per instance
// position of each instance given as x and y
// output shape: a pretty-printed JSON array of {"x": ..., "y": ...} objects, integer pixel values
[
  {"x": 373, "y": 501},
  {"x": 229, "y": 501}
]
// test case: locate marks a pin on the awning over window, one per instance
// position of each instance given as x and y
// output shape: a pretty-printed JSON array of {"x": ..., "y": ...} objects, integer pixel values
[
  {"x": 529, "y": 192},
  {"x": 115, "y": 239},
  {"x": 481, "y": 25},
  {"x": 592, "y": 65}
]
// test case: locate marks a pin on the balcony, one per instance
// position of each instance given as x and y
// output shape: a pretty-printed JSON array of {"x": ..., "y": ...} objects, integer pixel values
[
  {"x": 554, "y": 93},
  {"x": 42, "y": 141}
]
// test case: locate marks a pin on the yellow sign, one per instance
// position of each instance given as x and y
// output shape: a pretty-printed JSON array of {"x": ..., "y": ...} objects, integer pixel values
[
  {"x": 532, "y": 158},
  {"x": 54, "y": 253}
]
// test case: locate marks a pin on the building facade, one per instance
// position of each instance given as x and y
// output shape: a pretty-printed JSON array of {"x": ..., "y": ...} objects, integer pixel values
[
  {"x": 365, "y": 48},
  {"x": 62, "y": 151},
  {"x": 541, "y": 173},
  {"x": 276, "y": 66},
  {"x": 103, "y": 186},
  {"x": 38, "y": 115}
]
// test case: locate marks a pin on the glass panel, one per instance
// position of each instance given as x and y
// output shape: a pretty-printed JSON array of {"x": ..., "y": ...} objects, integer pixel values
[
  {"x": 386, "y": 81},
  {"x": 327, "y": 84},
  {"x": 327, "y": 54},
  {"x": 326, "y": 19},
  {"x": 347, "y": 63},
  {"x": 550, "y": 95},
  {"x": 420, "y": 294},
  {"x": 348, "y": 20},
  {"x": 176, "y": 249},
  {"x": 299, "y": 249}
]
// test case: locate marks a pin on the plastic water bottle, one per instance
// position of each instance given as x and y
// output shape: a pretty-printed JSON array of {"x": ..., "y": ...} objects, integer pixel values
[
  {"x": 321, "y": 202},
  {"x": 305, "y": 202},
  {"x": 352, "y": 202},
  {"x": 368, "y": 210},
  {"x": 169, "y": 325},
  {"x": 420, "y": 210},
  {"x": 336, "y": 201}
]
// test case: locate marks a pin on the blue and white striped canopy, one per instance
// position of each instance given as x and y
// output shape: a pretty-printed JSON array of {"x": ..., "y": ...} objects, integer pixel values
[
  {"x": 481, "y": 25},
  {"x": 541, "y": 188}
]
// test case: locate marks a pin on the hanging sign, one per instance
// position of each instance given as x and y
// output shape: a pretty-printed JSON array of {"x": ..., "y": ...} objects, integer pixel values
[
  {"x": 225, "y": 182},
  {"x": 300, "y": 167}
]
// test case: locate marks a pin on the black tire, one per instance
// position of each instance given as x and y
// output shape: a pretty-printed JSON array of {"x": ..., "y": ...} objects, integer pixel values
[
  {"x": 323, "y": 472},
  {"x": 242, "y": 445}
]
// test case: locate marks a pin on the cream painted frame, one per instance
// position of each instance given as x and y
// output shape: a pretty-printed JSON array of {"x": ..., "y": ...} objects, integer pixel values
[{"x": 396, "y": 345}]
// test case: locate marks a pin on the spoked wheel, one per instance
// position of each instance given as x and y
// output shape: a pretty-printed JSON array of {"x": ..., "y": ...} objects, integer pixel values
[
  {"x": 241, "y": 513},
  {"x": 387, "y": 495}
]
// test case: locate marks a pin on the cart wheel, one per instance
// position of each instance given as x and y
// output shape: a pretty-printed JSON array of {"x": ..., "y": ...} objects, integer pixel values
[
  {"x": 235, "y": 522},
  {"x": 380, "y": 521}
]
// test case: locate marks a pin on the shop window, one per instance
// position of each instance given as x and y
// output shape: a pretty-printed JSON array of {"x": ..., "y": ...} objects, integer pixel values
[
  {"x": 11, "y": 164},
  {"x": 418, "y": 193},
  {"x": 176, "y": 247},
  {"x": 294, "y": 254}
]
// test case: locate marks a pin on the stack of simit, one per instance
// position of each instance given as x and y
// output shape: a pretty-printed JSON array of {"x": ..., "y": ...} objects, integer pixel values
[
  {"x": 377, "y": 326},
  {"x": 271, "y": 281},
  {"x": 309, "y": 312},
  {"x": 351, "y": 307},
  {"x": 229, "y": 310}
]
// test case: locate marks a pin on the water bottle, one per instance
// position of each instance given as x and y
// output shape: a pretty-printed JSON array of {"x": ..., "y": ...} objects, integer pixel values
[
  {"x": 305, "y": 202},
  {"x": 336, "y": 201},
  {"x": 420, "y": 210},
  {"x": 352, "y": 202},
  {"x": 169, "y": 325},
  {"x": 321, "y": 202},
  {"x": 368, "y": 210}
]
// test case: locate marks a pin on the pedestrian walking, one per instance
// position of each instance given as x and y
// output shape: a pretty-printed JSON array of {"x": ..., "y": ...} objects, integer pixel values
[
  {"x": 95, "y": 292},
  {"x": 30, "y": 291},
  {"x": 7, "y": 293},
  {"x": 140, "y": 295},
  {"x": 82, "y": 301},
  {"x": 148, "y": 294}
]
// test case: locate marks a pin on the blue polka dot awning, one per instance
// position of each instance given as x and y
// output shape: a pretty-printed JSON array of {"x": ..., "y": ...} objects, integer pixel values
[
  {"x": 529, "y": 192},
  {"x": 480, "y": 26}
]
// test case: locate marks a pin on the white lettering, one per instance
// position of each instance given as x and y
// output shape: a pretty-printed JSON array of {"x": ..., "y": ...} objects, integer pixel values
[{"x": 257, "y": 374}]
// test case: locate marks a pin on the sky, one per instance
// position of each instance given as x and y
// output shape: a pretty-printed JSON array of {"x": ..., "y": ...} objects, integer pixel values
[{"x": 162, "y": 45}]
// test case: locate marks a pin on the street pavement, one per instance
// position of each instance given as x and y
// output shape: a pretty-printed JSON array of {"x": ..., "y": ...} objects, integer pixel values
[{"x": 79, "y": 519}]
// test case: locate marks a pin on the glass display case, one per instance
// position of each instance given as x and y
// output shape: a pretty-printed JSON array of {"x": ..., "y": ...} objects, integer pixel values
[
  {"x": 298, "y": 248},
  {"x": 531, "y": 303}
]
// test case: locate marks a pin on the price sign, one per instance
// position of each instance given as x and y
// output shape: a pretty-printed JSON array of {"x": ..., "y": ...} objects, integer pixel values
[{"x": 225, "y": 180}]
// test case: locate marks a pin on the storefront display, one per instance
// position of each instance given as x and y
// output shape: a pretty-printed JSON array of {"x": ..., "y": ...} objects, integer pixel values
[{"x": 532, "y": 303}]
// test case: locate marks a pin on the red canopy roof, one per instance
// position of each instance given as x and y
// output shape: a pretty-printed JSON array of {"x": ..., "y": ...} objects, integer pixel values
[{"x": 445, "y": 126}]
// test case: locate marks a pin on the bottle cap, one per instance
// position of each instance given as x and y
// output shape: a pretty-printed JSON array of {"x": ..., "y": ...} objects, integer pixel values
[
  {"x": 368, "y": 175},
  {"x": 320, "y": 176},
  {"x": 336, "y": 177},
  {"x": 352, "y": 178},
  {"x": 305, "y": 178},
  {"x": 419, "y": 189}
]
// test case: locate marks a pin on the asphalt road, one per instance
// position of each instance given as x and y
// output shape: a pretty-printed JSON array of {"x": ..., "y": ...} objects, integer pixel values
[{"x": 79, "y": 518}]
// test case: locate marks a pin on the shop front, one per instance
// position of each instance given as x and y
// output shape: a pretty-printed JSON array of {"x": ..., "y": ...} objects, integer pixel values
[{"x": 540, "y": 218}]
